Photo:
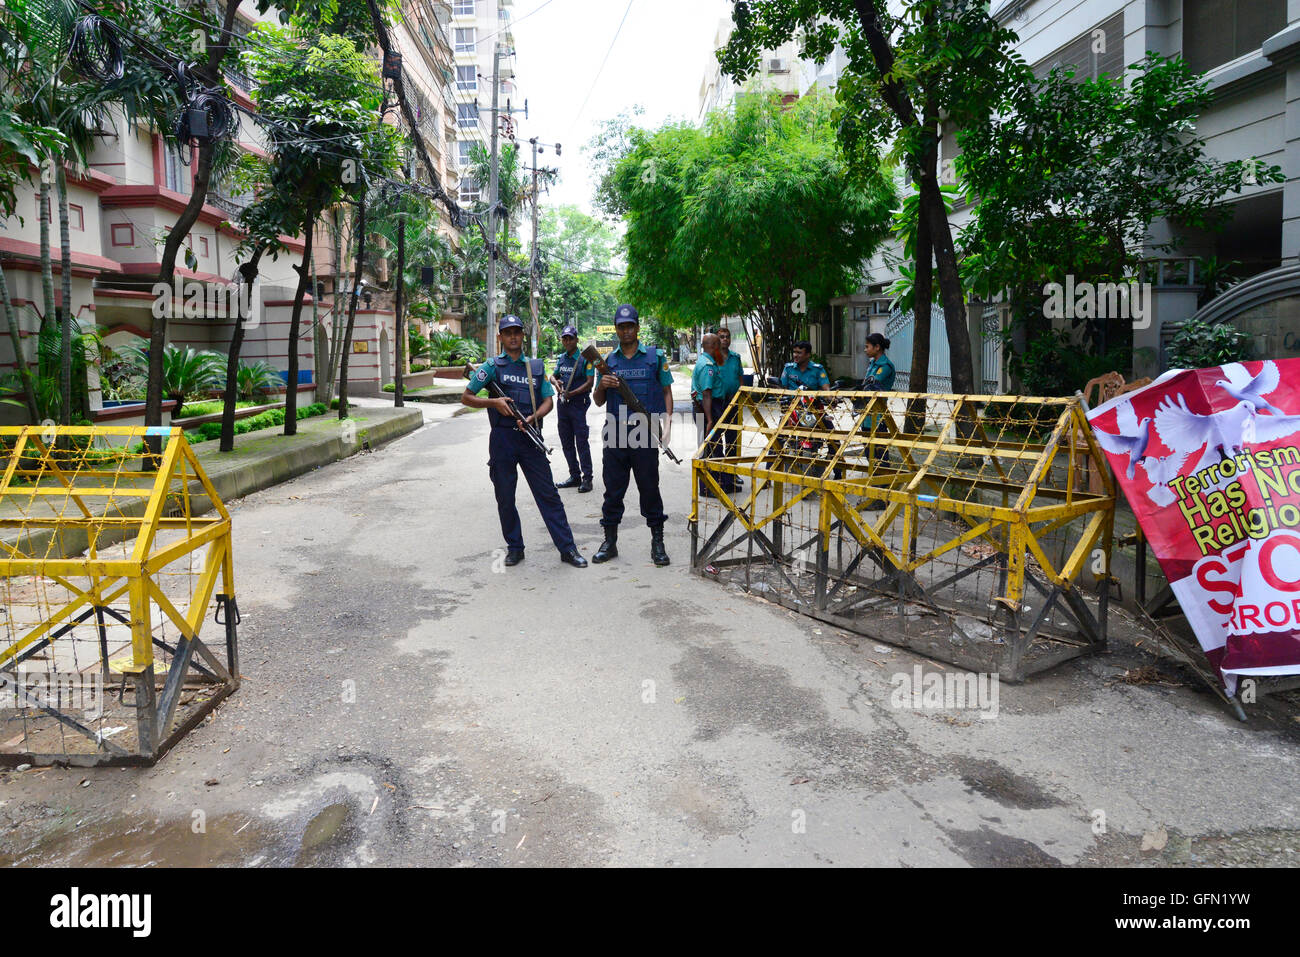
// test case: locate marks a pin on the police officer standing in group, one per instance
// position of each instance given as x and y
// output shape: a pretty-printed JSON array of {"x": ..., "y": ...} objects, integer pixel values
[
  {"x": 524, "y": 381},
  {"x": 804, "y": 372},
  {"x": 706, "y": 402},
  {"x": 879, "y": 378},
  {"x": 731, "y": 370},
  {"x": 573, "y": 379},
  {"x": 630, "y": 445}
]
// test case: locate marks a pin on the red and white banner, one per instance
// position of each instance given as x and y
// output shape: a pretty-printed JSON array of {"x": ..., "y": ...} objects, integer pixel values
[{"x": 1209, "y": 460}]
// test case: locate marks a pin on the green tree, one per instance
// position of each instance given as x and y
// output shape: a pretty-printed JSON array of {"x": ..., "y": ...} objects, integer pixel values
[
  {"x": 327, "y": 140},
  {"x": 1070, "y": 181},
  {"x": 938, "y": 61},
  {"x": 755, "y": 213}
]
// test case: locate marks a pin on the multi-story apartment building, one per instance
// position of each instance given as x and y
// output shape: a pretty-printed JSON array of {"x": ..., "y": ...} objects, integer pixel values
[
  {"x": 780, "y": 72},
  {"x": 1249, "y": 52},
  {"x": 124, "y": 205},
  {"x": 479, "y": 28}
]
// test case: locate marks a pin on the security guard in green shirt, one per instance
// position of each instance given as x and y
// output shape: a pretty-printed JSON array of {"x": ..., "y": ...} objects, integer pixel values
[
  {"x": 879, "y": 378},
  {"x": 707, "y": 403},
  {"x": 880, "y": 370},
  {"x": 732, "y": 369},
  {"x": 804, "y": 372}
]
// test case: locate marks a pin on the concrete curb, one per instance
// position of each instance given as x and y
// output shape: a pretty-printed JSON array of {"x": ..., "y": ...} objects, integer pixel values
[
  {"x": 234, "y": 478},
  {"x": 246, "y": 478}
]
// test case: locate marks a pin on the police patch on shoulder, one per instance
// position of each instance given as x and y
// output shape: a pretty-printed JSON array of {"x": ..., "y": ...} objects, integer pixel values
[{"x": 481, "y": 374}]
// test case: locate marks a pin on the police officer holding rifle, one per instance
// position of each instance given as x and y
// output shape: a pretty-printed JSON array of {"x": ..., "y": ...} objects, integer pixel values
[
  {"x": 572, "y": 379},
  {"x": 639, "y": 389},
  {"x": 520, "y": 397}
]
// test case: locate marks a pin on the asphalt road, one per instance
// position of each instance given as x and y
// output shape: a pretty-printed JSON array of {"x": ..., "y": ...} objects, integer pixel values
[{"x": 410, "y": 701}]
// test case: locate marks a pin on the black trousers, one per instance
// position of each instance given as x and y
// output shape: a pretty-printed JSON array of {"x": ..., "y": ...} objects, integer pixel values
[
  {"x": 618, "y": 466},
  {"x": 714, "y": 448},
  {"x": 508, "y": 449},
  {"x": 575, "y": 437}
]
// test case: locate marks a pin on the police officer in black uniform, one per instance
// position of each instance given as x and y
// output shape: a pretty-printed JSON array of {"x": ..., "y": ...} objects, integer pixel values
[
  {"x": 572, "y": 380},
  {"x": 630, "y": 446},
  {"x": 524, "y": 381}
]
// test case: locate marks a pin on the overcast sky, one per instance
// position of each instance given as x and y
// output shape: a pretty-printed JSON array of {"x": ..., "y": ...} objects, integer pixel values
[{"x": 658, "y": 61}]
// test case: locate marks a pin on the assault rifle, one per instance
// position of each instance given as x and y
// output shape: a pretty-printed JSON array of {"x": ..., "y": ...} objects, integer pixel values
[
  {"x": 494, "y": 389},
  {"x": 593, "y": 356}
]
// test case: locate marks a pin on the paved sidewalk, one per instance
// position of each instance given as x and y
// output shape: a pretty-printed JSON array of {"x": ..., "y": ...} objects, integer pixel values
[{"x": 259, "y": 460}]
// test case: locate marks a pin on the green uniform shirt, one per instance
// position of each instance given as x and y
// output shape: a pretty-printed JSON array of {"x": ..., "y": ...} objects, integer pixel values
[
  {"x": 707, "y": 377},
  {"x": 487, "y": 372},
  {"x": 813, "y": 377},
  {"x": 731, "y": 372},
  {"x": 880, "y": 375}
]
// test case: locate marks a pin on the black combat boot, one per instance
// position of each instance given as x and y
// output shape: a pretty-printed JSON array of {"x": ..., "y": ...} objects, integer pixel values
[
  {"x": 572, "y": 481},
  {"x": 658, "y": 554},
  {"x": 609, "y": 547}
]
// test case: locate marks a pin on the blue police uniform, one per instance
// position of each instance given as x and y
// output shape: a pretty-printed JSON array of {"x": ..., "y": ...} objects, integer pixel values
[
  {"x": 575, "y": 435},
  {"x": 629, "y": 442},
  {"x": 509, "y": 448}
]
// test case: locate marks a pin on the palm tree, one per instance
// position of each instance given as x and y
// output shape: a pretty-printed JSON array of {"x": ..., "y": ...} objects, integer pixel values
[
  {"x": 186, "y": 372},
  {"x": 257, "y": 377}
]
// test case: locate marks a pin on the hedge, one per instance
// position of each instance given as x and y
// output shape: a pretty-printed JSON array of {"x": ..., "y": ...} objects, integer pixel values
[{"x": 263, "y": 420}]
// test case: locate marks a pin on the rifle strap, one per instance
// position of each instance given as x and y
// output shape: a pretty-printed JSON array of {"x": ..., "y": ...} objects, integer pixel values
[
  {"x": 532, "y": 390},
  {"x": 574, "y": 371}
]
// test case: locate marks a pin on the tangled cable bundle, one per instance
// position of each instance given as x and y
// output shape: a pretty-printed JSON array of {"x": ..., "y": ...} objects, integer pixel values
[
  {"x": 215, "y": 108},
  {"x": 96, "y": 50}
]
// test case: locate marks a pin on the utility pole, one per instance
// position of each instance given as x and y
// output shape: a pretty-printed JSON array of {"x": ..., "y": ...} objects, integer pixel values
[
  {"x": 533, "y": 294},
  {"x": 490, "y": 332}
]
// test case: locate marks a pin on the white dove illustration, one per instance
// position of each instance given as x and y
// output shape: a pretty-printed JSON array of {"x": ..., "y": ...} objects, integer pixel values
[
  {"x": 1243, "y": 388},
  {"x": 1161, "y": 470},
  {"x": 1132, "y": 439},
  {"x": 1226, "y": 432}
]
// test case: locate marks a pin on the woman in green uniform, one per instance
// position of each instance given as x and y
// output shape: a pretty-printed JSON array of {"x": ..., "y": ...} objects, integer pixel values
[{"x": 879, "y": 378}]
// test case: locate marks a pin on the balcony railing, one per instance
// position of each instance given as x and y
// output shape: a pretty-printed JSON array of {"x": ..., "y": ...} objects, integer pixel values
[{"x": 231, "y": 205}]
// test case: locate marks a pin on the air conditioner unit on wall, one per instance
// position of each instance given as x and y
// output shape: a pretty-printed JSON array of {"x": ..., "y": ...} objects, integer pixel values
[{"x": 778, "y": 66}]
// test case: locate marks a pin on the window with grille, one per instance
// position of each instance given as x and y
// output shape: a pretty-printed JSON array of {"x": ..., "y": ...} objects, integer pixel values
[
  {"x": 467, "y": 78},
  {"x": 176, "y": 175},
  {"x": 463, "y": 149},
  {"x": 469, "y": 190},
  {"x": 467, "y": 115},
  {"x": 1097, "y": 51},
  {"x": 1216, "y": 31},
  {"x": 463, "y": 8},
  {"x": 465, "y": 39}
]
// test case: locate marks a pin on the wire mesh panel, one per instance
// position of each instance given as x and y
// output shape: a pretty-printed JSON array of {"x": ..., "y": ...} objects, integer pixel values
[
  {"x": 108, "y": 572},
  {"x": 958, "y": 526}
]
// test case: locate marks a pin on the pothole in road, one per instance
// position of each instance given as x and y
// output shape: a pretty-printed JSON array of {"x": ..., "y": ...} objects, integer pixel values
[{"x": 337, "y": 818}]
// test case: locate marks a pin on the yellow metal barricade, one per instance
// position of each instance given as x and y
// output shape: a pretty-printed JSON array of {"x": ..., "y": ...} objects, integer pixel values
[
  {"x": 109, "y": 568},
  {"x": 960, "y": 526}
]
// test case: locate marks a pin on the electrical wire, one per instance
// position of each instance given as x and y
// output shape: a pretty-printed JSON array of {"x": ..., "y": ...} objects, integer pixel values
[
  {"x": 602, "y": 65},
  {"x": 514, "y": 22},
  {"x": 95, "y": 49}
]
